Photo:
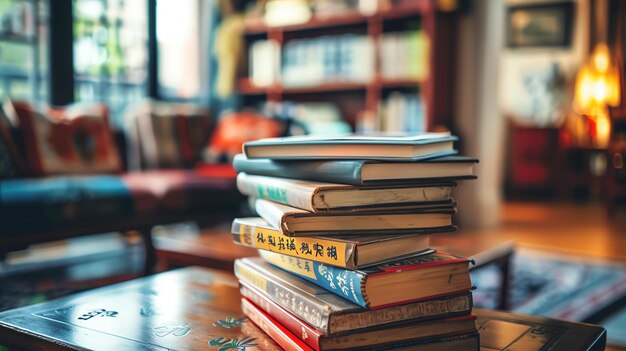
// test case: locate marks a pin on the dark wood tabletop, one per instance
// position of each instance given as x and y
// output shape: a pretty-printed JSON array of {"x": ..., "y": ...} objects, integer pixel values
[{"x": 187, "y": 309}]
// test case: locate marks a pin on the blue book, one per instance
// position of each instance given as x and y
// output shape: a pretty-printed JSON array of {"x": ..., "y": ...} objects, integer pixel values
[
  {"x": 381, "y": 146},
  {"x": 360, "y": 172},
  {"x": 425, "y": 275}
]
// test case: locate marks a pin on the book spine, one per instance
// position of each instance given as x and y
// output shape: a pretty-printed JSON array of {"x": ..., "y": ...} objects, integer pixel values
[
  {"x": 271, "y": 214},
  {"x": 445, "y": 307},
  {"x": 294, "y": 300},
  {"x": 305, "y": 332},
  {"x": 273, "y": 189},
  {"x": 304, "y": 247},
  {"x": 283, "y": 337},
  {"x": 343, "y": 172},
  {"x": 343, "y": 282},
  {"x": 453, "y": 342}
]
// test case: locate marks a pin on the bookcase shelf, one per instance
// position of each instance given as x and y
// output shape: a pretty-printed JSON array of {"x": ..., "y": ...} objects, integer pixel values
[
  {"x": 400, "y": 83},
  {"x": 416, "y": 8},
  {"x": 436, "y": 90},
  {"x": 344, "y": 19},
  {"x": 245, "y": 87}
]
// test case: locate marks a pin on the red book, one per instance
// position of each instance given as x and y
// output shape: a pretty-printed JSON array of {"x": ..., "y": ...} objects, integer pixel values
[
  {"x": 305, "y": 332},
  {"x": 420, "y": 333},
  {"x": 283, "y": 337},
  {"x": 331, "y": 314}
]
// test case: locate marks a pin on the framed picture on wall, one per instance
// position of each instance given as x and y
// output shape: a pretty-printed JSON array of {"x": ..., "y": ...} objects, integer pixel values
[{"x": 540, "y": 25}]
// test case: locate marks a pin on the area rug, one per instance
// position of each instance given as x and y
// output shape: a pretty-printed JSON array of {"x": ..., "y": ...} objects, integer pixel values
[
  {"x": 616, "y": 328},
  {"x": 554, "y": 285}
]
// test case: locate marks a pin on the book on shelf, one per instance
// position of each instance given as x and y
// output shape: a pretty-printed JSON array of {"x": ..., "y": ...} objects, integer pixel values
[
  {"x": 293, "y": 221},
  {"x": 336, "y": 58},
  {"x": 372, "y": 339},
  {"x": 361, "y": 172},
  {"x": 401, "y": 112},
  {"x": 332, "y": 197},
  {"x": 328, "y": 313},
  {"x": 264, "y": 63},
  {"x": 413, "y": 278},
  {"x": 319, "y": 118},
  {"x": 503, "y": 331},
  {"x": 384, "y": 146},
  {"x": 350, "y": 252},
  {"x": 404, "y": 55}
]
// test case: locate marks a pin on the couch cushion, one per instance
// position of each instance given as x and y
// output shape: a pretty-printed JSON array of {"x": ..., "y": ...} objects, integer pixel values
[
  {"x": 31, "y": 204},
  {"x": 181, "y": 190},
  {"x": 71, "y": 140},
  {"x": 34, "y": 205}
]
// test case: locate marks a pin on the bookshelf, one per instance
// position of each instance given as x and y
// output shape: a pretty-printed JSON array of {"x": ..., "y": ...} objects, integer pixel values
[{"x": 356, "y": 97}]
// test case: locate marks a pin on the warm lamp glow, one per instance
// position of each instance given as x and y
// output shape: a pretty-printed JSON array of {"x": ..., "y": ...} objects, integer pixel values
[
  {"x": 603, "y": 128},
  {"x": 597, "y": 83}
]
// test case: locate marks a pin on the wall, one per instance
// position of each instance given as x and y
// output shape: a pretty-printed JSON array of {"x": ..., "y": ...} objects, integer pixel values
[
  {"x": 518, "y": 62},
  {"x": 487, "y": 73},
  {"x": 479, "y": 120}
]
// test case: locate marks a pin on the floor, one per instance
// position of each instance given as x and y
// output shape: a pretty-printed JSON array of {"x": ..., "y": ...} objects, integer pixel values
[{"x": 574, "y": 228}]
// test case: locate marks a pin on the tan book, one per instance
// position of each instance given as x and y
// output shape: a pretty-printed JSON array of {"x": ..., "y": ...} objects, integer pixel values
[
  {"x": 292, "y": 221},
  {"x": 326, "y": 197}
]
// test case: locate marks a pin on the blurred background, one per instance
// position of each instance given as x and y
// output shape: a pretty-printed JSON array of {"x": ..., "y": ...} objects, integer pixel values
[{"x": 120, "y": 119}]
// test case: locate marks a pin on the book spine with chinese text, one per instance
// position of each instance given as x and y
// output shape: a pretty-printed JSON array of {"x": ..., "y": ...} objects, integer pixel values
[
  {"x": 339, "y": 253},
  {"x": 342, "y": 282},
  {"x": 304, "y": 306}
]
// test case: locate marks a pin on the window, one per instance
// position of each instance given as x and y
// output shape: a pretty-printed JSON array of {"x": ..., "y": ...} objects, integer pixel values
[
  {"x": 23, "y": 49},
  {"x": 179, "y": 48},
  {"x": 110, "y": 52}
]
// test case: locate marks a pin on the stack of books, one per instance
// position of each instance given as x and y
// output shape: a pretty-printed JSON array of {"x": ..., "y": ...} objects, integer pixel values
[{"x": 343, "y": 234}]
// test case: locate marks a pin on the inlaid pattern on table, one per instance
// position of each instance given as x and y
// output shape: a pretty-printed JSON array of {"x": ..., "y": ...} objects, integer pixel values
[{"x": 187, "y": 309}]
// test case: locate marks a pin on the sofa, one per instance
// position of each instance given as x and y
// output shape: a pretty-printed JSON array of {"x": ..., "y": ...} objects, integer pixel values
[{"x": 53, "y": 197}]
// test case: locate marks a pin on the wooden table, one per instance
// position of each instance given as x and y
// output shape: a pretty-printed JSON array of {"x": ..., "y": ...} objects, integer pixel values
[
  {"x": 485, "y": 251},
  {"x": 199, "y": 309},
  {"x": 213, "y": 248}
]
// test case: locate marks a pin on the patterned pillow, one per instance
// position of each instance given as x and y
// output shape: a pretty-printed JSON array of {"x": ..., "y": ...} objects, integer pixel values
[
  {"x": 10, "y": 161},
  {"x": 70, "y": 140},
  {"x": 8, "y": 169},
  {"x": 167, "y": 135},
  {"x": 235, "y": 129}
]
